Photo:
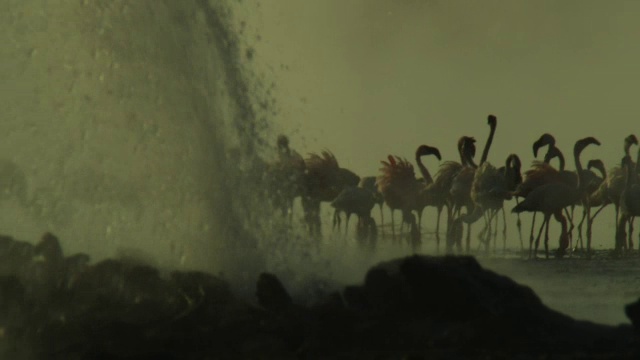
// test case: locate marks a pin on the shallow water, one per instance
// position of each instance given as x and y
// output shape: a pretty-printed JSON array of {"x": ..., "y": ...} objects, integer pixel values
[{"x": 595, "y": 290}]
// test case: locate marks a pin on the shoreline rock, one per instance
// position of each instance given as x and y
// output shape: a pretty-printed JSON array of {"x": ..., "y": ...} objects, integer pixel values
[{"x": 413, "y": 307}]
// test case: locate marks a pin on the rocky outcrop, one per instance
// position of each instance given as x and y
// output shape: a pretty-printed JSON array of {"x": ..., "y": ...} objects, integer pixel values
[{"x": 58, "y": 307}]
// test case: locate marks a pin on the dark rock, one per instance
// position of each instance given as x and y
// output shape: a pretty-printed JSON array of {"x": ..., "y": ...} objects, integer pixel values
[
  {"x": 14, "y": 255},
  {"x": 131, "y": 293},
  {"x": 13, "y": 302},
  {"x": 49, "y": 248},
  {"x": 458, "y": 304},
  {"x": 74, "y": 265},
  {"x": 355, "y": 298},
  {"x": 416, "y": 307},
  {"x": 272, "y": 294},
  {"x": 633, "y": 313}
]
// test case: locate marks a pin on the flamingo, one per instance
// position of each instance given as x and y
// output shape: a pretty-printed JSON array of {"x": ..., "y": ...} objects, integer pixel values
[{"x": 552, "y": 198}]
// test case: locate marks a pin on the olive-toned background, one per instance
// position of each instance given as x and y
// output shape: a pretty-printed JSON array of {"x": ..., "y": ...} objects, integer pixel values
[
  {"x": 368, "y": 78},
  {"x": 110, "y": 111}
]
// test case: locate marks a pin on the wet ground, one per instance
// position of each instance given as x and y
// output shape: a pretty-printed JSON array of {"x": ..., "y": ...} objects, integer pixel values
[{"x": 594, "y": 290}]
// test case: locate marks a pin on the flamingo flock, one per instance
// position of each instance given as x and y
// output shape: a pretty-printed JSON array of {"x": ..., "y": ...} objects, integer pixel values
[{"x": 468, "y": 191}]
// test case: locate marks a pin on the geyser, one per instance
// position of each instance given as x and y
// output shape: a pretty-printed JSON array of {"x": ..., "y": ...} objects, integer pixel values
[{"x": 118, "y": 122}]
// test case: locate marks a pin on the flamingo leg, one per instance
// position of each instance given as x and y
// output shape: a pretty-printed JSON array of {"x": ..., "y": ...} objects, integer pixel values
[
  {"x": 336, "y": 220},
  {"x": 495, "y": 230},
  {"x": 438, "y": 228},
  {"x": 449, "y": 221},
  {"x": 483, "y": 233},
  {"x": 519, "y": 225},
  {"x": 468, "y": 245},
  {"x": 393, "y": 228},
  {"x": 531, "y": 238},
  {"x": 624, "y": 244},
  {"x": 495, "y": 215},
  {"x": 589, "y": 229},
  {"x": 486, "y": 232},
  {"x": 589, "y": 234},
  {"x": 381, "y": 216},
  {"x": 535, "y": 252},
  {"x": 571, "y": 227},
  {"x": 454, "y": 236},
  {"x": 564, "y": 238},
  {"x": 489, "y": 232},
  {"x": 584, "y": 216},
  {"x": 621, "y": 233},
  {"x": 504, "y": 230},
  {"x": 483, "y": 238},
  {"x": 547, "y": 217},
  {"x": 598, "y": 211},
  {"x": 631, "y": 219},
  {"x": 590, "y": 226},
  {"x": 420, "y": 219}
]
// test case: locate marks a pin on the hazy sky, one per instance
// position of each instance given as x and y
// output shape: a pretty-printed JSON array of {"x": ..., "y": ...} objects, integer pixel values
[{"x": 366, "y": 78}]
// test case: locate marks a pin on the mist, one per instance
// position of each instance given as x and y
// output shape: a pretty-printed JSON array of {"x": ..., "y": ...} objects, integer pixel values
[{"x": 119, "y": 122}]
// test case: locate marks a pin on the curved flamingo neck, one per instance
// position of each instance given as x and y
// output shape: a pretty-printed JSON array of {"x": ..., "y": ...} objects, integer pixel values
[
  {"x": 507, "y": 164},
  {"x": 513, "y": 165},
  {"x": 554, "y": 152},
  {"x": 603, "y": 171},
  {"x": 627, "y": 146},
  {"x": 463, "y": 157},
  {"x": 423, "y": 170},
  {"x": 577, "y": 150},
  {"x": 470, "y": 161},
  {"x": 561, "y": 160},
  {"x": 515, "y": 161},
  {"x": 631, "y": 179},
  {"x": 487, "y": 145}
]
